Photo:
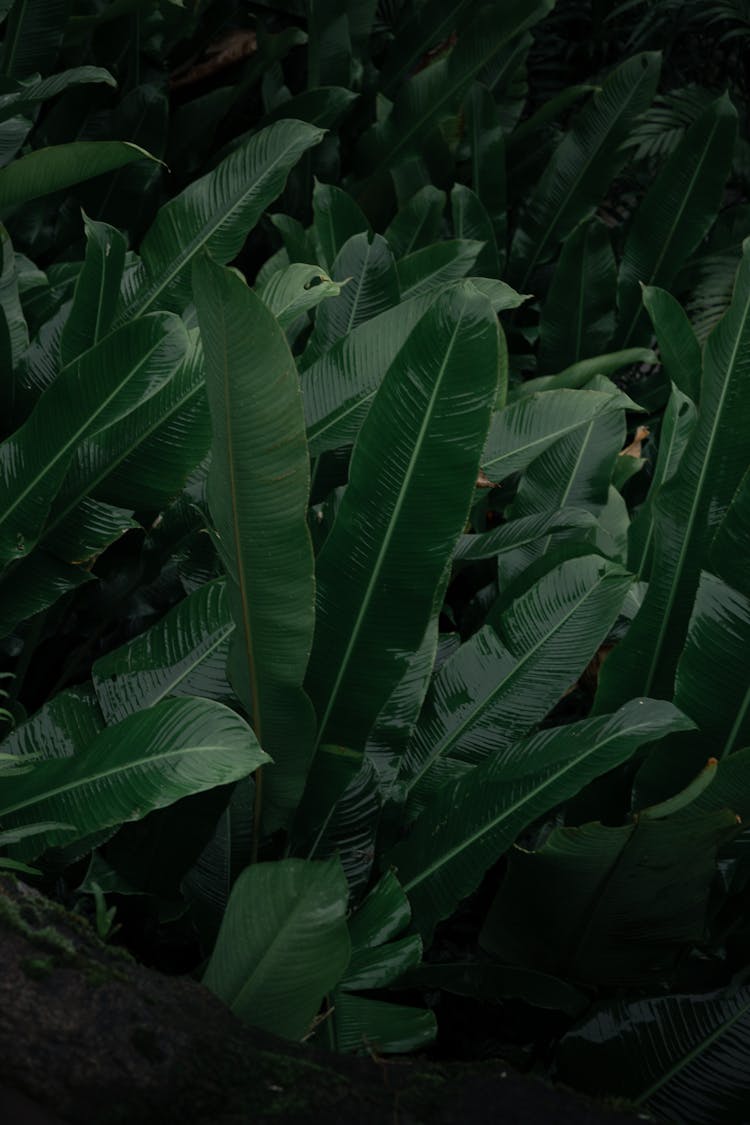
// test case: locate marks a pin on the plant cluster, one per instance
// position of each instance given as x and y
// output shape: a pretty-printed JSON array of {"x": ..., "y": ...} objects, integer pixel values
[{"x": 374, "y": 516}]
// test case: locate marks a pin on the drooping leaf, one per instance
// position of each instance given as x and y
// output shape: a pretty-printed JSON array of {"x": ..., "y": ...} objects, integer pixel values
[
  {"x": 676, "y": 213},
  {"x": 681, "y": 1057},
  {"x": 60, "y": 166},
  {"x": 147, "y": 761},
  {"x": 577, "y": 318},
  {"x": 259, "y": 478},
  {"x": 471, "y": 822},
  {"x": 688, "y": 510},
  {"x": 373, "y": 608},
  {"x": 214, "y": 213},
  {"x": 584, "y": 371},
  {"x": 183, "y": 654},
  {"x": 274, "y": 966}
]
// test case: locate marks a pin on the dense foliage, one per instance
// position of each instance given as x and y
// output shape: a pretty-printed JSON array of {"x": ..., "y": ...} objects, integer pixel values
[{"x": 375, "y": 608}]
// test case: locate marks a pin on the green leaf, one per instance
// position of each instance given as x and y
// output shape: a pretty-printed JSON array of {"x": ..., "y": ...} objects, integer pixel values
[
  {"x": 578, "y": 317},
  {"x": 61, "y": 728},
  {"x": 336, "y": 218},
  {"x": 676, "y": 213},
  {"x": 296, "y": 289},
  {"x": 471, "y": 221},
  {"x": 502, "y": 681},
  {"x": 487, "y": 143},
  {"x": 274, "y": 965},
  {"x": 36, "y": 584},
  {"x": 434, "y": 266},
  {"x": 523, "y": 430},
  {"x": 583, "y": 165},
  {"x": 492, "y": 983},
  {"x": 683, "y": 1058},
  {"x": 674, "y": 434},
  {"x": 90, "y": 394},
  {"x": 688, "y": 510},
  {"x": 362, "y": 1024},
  {"x": 86, "y": 532},
  {"x": 381, "y": 564},
  {"x": 519, "y": 533},
  {"x": 727, "y": 555},
  {"x": 33, "y": 36},
  {"x": 712, "y": 684},
  {"x": 183, "y": 654},
  {"x": 622, "y": 902},
  {"x": 60, "y": 166},
  {"x": 422, "y": 28},
  {"x": 259, "y": 478},
  {"x": 214, "y": 213},
  {"x": 15, "y": 322},
  {"x": 418, "y": 223},
  {"x": 35, "y": 89},
  {"x": 96, "y": 291},
  {"x": 679, "y": 350},
  {"x": 581, "y": 373},
  {"x": 149, "y": 760},
  {"x": 470, "y": 823},
  {"x": 366, "y": 264}
]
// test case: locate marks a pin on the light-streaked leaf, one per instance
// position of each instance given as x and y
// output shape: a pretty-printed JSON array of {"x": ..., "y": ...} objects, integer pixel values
[
  {"x": 96, "y": 291},
  {"x": 296, "y": 289},
  {"x": 60, "y": 166},
  {"x": 434, "y": 266},
  {"x": 679, "y": 351}
]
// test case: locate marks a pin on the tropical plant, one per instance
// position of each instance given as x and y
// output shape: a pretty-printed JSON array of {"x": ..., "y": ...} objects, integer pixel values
[{"x": 374, "y": 501}]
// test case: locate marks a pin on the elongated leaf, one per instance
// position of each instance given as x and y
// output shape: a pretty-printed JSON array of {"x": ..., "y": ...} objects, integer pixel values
[
  {"x": 381, "y": 564},
  {"x": 184, "y": 654},
  {"x": 17, "y": 331},
  {"x": 676, "y": 428},
  {"x": 296, "y": 289},
  {"x": 367, "y": 266},
  {"x": 36, "y": 584},
  {"x": 33, "y": 36},
  {"x": 62, "y": 728},
  {"x": 583, "y": 165},
  {"x": 727, "y": 556},
  {"x": 336, "y": 218},
  {"x": 259, "y": 478},
  {"x": 96, "y": 291},
  {"x": 622, "y": 902},
  {"x": 500, "y": 683},
  {"x": 712, "y": 684},
  {"x": 472, "y": 221},
  {"x": 361, "y": 1024},
  {"x": 214, "y": 213},
  {"x": 424, "y": 27},
  {"x": 519, "y": 533},
  {"x": 679, "y": 351},
  {"x": 86, "y": 532},
  {"x": 580, "y": 374},
  {"x": 149, "y": 760},
  {"x": 93, "y": 392},
  {"x": 418, "y": 222},
  {"x": 60, "y": 166},
  {"x": 274, "y": 966},
  {"x": 523, "y": 430},
  {"x": 578, "y": 318},
  {"x": 688, "y": 510},
  {"x": 684, "y": 1058},
  {"x": 434, "y": 266},
  {"x": 676, "y": 213},
  {"x": 28, "y": 93},
  {"x": 487, "y": 142},
  {"x": 470, "y": 823},
  {"x": 492, "y": 983}
]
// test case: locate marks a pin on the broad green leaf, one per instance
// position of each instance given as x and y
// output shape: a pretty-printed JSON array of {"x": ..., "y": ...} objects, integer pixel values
[
  {"x": 383, "y": 915},
  {"x": 472, "y": 221},
  {"x": 683, "y": 1058},
  {"x": 85, "y": 533},
  {"x": 688, "y": 510},
  {"x": 102, "y": 385},
  {"x": 437, "y": 90},
  {"x": 712, "y": 684},
  {"x": 336, "y": 218},
  {"x": 323, "y": 106},
  {"x": 214, "y": 213},
  {"x": 523, "y": 430},
  {"x": 366, "y": 264},
  {"x": 60, "y": 166},
  {"x": 259, "y": 478},
  {"x": 273, "y": 966},
  {"x": 35, "y": 89},
  {"x": 35, "y": 584},
  {"x": 418, "y": 223},
  {"x": 32, "y": 37},
  {"x": 679, "y": 351},
  {"x": 296, "y": 289},
  {"x": 579, "y": 374},
  {"x": 676, "y": 427},
  {"x": 622, "y": 902},
  {"x": 334, "y": 769},
  {"x": 487, "y": 142},
  {"x": 470, "y": 823},
  {"x": 339, "y": 387},
  {"x": 503, "y": 681},
  {"x": 519, "y": 533},
  {"x": 676, "y": 213},
  {"x": 727, "y": 555},
  {"x": 183, "y": 654},
  {"x": 583, "y": 165},
  {"x": 381, "y": 564},
  {"x": 578, "y": 316},
  {"x": 149, "y": 760},
  {"x": 61, "y": 728},
  {"x": 434, "y": 266},
  {"x": 362, "y": 1024},
  {"x": 96, "y": 291}
]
